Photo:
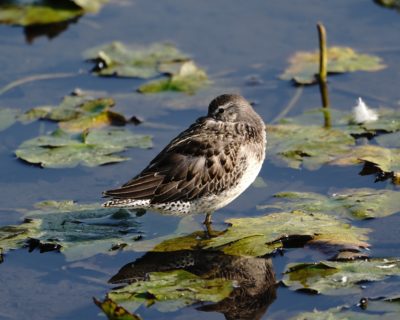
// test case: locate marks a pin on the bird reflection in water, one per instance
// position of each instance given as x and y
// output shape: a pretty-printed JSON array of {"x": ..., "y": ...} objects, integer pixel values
[{"x": 255, "y": 278}]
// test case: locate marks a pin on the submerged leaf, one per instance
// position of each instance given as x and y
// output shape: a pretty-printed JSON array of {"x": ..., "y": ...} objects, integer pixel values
[
  {"x": 262, "y": 235},
  {"x": 7, "y": 118},
  {"x": 355, "y": 203},
  {"x": 115, "y": 312},
  {"x": 176, "y": 289},
  {"x": 304, "y": 65},
  {"x": 308, "y": 146},
  {"x": 117, "y": 59},
  {"x": 329, "y": 277},
  {"x": 187, "y": 77},
  {"x": 60, "y": 150}
]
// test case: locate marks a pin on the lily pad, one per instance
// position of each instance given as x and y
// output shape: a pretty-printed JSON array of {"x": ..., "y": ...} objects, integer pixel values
[
  {"x": 115, "y": 312},
  {"x": 329, "y": 277},
  {"x": 80, "y": 230},
  {"x": 7, "y": 118},
  {"x": 308, "y": 146},
  {"x": 262, "y": 235},
  {"x": 304, "y": 65},
  {"x": 376, "y": 310},
  {"x": 361, "y": 203},
  {"x": 173, "y": 290},
  {"x": 13, "y": 237},
  {"x": 384, "y": 159},
  {"x": 40, "y": 12},
  {"x": 185, "y": 77},
  {"x": 117, "y": 59},
  {"x": 97, "y": 147}
]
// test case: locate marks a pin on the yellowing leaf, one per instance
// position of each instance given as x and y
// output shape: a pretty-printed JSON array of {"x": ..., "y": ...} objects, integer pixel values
[{"x": 304, "y": 65}]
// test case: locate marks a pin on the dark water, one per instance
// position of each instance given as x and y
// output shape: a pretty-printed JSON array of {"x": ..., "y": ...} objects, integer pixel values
[{"x": 232, "y": 40}]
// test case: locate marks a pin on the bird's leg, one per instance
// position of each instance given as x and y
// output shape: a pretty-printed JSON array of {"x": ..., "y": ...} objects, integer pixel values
[
  {"x": 207, "y": 223},
  {"x": 207, "y": 220}
]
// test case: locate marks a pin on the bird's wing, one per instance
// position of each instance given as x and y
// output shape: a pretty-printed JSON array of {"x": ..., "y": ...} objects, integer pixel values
[{"x": 199, "y": 161}]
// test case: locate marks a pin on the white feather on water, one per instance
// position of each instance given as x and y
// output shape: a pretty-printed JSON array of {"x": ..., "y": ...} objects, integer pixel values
[{"x": 362, "y": 113}]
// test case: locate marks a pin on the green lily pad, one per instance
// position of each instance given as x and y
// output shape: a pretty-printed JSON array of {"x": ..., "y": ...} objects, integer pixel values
[
  {"x": 120, "y": 60},
  {"x": 40, "y": 12},
  {"x": 173, "y": 290},
  {"x": 80, "y": 230},
  {"x": 262, "y": 235},
  {"x": 384, "y": 159},
  {"x": 14, "y": 236},
  {"x": 376, "y": 310},
  {"x": 97, "y": 147},
  {"x": 115, "y": 312},
  {"x": 304, "y": 65},
  {"x": 186, "y": 77},
  {"x": 354, "y": 203},
  {"x": 388, "y": 121},
  {"x": 330, "y": 277},
  {"x": 7, "y": 118},
  {"x": 308, "y": 146}
]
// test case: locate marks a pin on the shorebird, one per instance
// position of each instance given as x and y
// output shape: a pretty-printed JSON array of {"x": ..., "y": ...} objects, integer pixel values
[{"x": 205, "y": 167}]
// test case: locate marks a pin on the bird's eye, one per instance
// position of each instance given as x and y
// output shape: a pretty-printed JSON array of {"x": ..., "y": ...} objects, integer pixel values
[{"x": 221, "y": 110}]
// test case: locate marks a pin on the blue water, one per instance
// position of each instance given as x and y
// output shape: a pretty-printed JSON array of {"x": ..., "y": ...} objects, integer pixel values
[{"x": 232, "y": 40}]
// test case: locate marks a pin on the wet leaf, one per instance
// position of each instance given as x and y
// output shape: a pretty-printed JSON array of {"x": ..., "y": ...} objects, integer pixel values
[
  {"x": 376, "y": 310},
  {"x": 304, "y": 65},
  {"x": 186, "y": 77},
  {"x": 308, "y": 146},
  {"x": 14, "y": 236},
  {"x": 115, "y": 312},
  {"x": 81, "y": 230},
  {"x": 34, "y": 114},
  {"x": 384, "y": 159},
  {"x": 388, "y": 121},
  {"x": 117, "y": 59},
  {"x": 175, "y": 289},
  {"x": 7, "y": 118},
  {"x": 262, "y": 235},
  {"x": 27, "y": 13},
  {"x": 97, "y": 147},
  {"x": 329, "y": 277},
  {"x": 361, "y": 203}
]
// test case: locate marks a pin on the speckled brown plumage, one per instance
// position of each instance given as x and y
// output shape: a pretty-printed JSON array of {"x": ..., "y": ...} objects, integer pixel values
[{"x": 206, "y": 161}]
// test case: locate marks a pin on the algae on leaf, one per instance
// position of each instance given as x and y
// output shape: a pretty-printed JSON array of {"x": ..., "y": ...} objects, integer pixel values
[
  {"x": 173, "y": 290},
  {"x": 304, "y": 65},
  {"x": 361, "y": 203},
  {"x": 307, "y": 146},
  {"x": 329, "y": 277},
  {"x": 117, "y": 59},
  {"x": 93, "y": 148},
  {"x": 13, "y": 237}
]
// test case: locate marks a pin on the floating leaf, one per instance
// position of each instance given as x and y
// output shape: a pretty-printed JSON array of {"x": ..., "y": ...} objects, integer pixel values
[
  {"x": 79, "y": 230},
  {"x": 355, "y": 203},
  {"x": 262, "y": 235},
  {"x": 38, "y": 12},
  {"x": 13, "y": 237},
  {"x": 177, "y": 289},
  {"x": 308, "y": 146},
  {"x": 304, "y": 65},
  {"x": 329, "y": 277},
  {"x": 34, "y": 114},
  {"x": 376, "y": 310},
  {"x": 117, "y": 59},
  {"x": 115, "y": 312},
  {"x": 187, "y": 77},
  {"x": 7, "y": 118},
  {"x": 384, "y": 159},
  {"x": 60, "y": 150},
  {"x": 388, "y": 121}
]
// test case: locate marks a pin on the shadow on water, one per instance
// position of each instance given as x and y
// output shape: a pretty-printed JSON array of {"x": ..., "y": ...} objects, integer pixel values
[{"x": 255, "y": 284}]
